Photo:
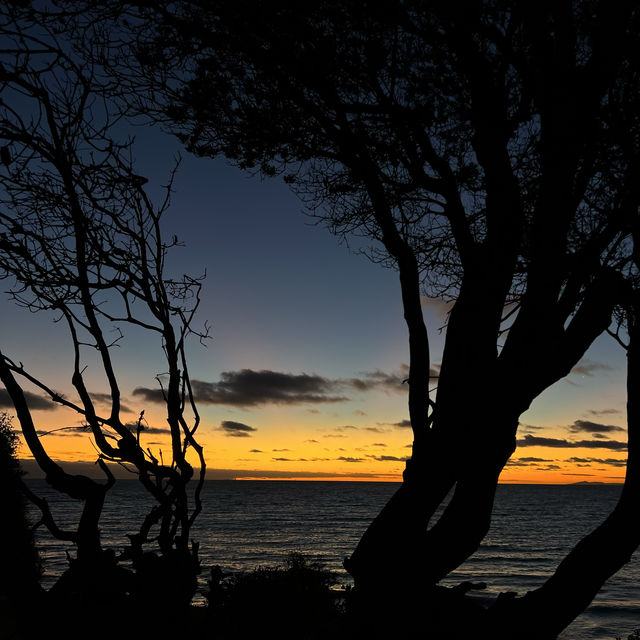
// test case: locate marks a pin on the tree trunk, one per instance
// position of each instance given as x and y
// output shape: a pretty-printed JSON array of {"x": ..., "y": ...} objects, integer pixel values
[
  {"x": 92, "y": 493},
  {"x": 542, "y": 614}
]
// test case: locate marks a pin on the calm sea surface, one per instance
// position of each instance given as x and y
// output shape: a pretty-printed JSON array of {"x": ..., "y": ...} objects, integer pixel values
[{"x": 246, "y": 524}]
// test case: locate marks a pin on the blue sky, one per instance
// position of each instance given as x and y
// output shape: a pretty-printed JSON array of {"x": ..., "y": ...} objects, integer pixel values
[{"x": 284, "y": 295}]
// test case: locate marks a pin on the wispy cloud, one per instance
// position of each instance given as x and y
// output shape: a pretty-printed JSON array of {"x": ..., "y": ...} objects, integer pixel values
[
  {"x": 602, "y": 412},
  {"x": 614, "y": 462},
  {"x": 593, "y": 427},
  {"x": 589, "y": 368},
  {"x": 34, "y": 402},
  {"x": 539, "y": 441}
]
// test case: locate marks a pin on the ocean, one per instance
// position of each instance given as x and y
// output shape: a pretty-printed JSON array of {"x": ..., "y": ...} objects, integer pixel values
[{"x": 246, "y": 524}]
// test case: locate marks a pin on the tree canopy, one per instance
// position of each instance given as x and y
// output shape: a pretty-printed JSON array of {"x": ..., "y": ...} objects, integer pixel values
[
  {"x": 81, "y": 238},
  {"x": 490, "y": 152}
]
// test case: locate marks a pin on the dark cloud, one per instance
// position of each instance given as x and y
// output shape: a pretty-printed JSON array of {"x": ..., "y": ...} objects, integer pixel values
[
  {"x": 313, "y": 441},
  {"x": 280, "y": 450},
  {"x": 149, "y": 395},
  {"x": 347, "y": 459},
  {"x": 614, "y": 462},
  {"x": 378, "y": 444},
  {"x": 602, "y": 412},
  {"x": 614, "y": 445},
  {"x": 389, "y": 458},
  {"x": 533, "y": 462},
  {"x": 528, "y": 428},
  {"x": 72, "y": 432},
  {"x": 256, "y": 451},
  {"x": 403, "y": 423},
  {"x": 593, "y": 427},
  {"x": 34, "y": 401},
  {"x": 537, "y": 441},
  {"x": 378, "y": 379},
  {"x": 375, "y": 430},
  {"x": 42, "y": 403},
  {"x": 133, "y": 427},
  {"x": 155, "y": 430},
  {"x": 589, "y": 367},
  {"x": 236, "y": 429},
  {"x": 248, "y": 388}
]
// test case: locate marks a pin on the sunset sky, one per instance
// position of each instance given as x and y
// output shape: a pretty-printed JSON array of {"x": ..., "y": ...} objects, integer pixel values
[{"x": 303, "y": 375}]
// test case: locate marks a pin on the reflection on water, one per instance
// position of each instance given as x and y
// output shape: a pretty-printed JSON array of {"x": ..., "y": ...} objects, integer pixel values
[{"x": 245, "y": 524}]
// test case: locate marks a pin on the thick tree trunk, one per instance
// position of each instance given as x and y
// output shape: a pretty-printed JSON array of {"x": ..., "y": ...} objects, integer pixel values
[
  {"x": 577, "y": 580},
  {"x": 392, "y": 546},
  {"x": 466, "y": 448}
]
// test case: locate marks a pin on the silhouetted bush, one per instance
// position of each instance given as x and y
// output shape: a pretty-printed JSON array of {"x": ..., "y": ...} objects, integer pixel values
[
  {"x": 19, "y": 561},
  {"x": 294, "y": 601}
]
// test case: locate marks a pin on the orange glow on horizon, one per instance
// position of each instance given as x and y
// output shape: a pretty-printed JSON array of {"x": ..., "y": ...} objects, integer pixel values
[{"x": 286, "y": 445}]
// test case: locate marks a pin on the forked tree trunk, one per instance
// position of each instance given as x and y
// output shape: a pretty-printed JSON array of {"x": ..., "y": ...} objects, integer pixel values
[{"x": 542, "y": 614}]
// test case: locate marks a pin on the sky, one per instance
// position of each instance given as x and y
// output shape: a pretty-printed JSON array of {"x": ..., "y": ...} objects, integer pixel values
[{"x": 302, "y": 376}]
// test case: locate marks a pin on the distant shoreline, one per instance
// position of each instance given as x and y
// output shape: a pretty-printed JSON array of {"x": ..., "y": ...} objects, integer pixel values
[{"x": 89, "y": 469}]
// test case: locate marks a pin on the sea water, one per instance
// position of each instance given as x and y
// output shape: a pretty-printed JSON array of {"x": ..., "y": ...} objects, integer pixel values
[{"x": 246, "y": 524}]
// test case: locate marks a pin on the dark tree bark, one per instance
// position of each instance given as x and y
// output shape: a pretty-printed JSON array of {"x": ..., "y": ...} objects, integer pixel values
[
  {"x": 19, "y": 558},
  {"x": 87, "y": 536},
  {"x": 484, "y": 149},
  {"x": 80, "y": 236},
  {"x": 599, "y": 555}
]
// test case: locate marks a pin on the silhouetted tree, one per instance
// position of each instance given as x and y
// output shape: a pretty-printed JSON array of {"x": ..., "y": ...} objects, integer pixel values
[
  {"x": 19, "y": 578},
  {"x": 81, "y": 238},
  {"x": 490, "y": 150}
]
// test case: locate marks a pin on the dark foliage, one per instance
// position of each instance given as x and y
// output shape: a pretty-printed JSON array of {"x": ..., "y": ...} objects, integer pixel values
[
  {"x": 19, "y": 561},
  {"x": 489, "y": 150},
  {"x": 294, "y": 601}
]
